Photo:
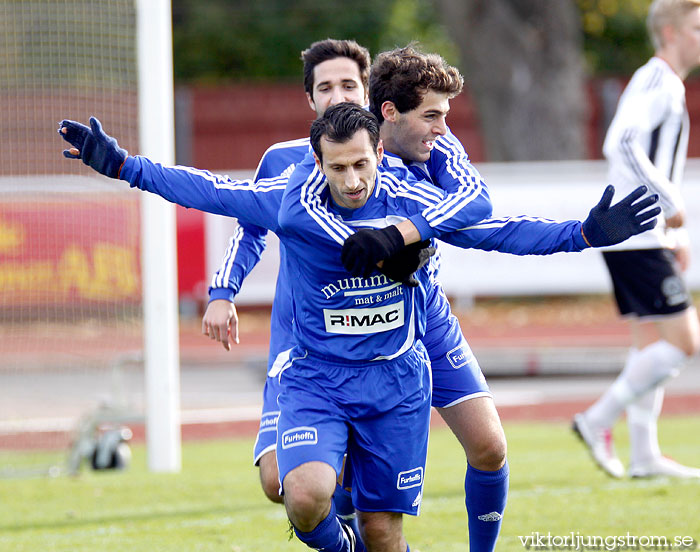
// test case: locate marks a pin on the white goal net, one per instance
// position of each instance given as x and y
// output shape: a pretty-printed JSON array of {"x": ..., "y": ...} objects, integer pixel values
[{"x": 70, "y": 274}]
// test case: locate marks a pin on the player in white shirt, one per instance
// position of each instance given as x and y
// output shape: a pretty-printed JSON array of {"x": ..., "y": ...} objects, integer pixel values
[{"x": 647, "y": 144}]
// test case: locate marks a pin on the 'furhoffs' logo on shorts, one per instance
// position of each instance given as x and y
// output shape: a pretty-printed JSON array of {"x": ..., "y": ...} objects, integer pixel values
[
  {"x": 268, "y": 421},
  {"x": 460, "y": 356},
  {"x": 299, "y": 436},
  {"x": 410, "y": 478}
]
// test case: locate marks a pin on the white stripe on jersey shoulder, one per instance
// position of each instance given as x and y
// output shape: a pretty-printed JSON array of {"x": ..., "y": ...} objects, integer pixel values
[
  {"x": 401, "y": 187},
  {"x": 222, "y": 182},
  {"x": 450, "y": 143},
  {"x": 458, "y": 161},
  {"x": 460, "y": 168},
  {"x": 297, "y": 143},
  {"x": 269, "y": 184},
  {"x": 289, "y": 144},
  {"x": 266, "y": 186},
  {"x": 501, "y": 222},
  {"x": 207, "y": 175},
  {"x": 217, "y": 180},
  {"x": 418, "y": 190},
  {"x": 311, "y": 201},
  {"x": 393, "y": 160}
]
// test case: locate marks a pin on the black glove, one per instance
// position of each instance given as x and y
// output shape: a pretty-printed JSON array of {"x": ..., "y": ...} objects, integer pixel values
[
  {"x": 607, "y": 225},
  {"x": 402, "y": 266},
  {"x": 366, "y": 247},
  {"x": 96, "y": 149}
]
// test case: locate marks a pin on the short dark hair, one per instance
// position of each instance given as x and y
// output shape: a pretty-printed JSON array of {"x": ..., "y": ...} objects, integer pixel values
[
  {"x": 404, "y": 75},
  {"x": 339, "y": 124},
  {"x": 330, "y": 48}
]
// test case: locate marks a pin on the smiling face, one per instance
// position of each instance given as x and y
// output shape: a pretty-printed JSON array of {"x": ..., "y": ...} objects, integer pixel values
[
  {"x": 411, "y": 135},
  {"x": 350, "y": 168},
  {"x": 336, "y": 80}
]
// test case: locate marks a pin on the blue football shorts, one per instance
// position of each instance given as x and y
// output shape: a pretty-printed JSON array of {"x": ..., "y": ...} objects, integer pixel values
[
  {"x": 457, "y": 376},
  {"x": 456, "y": 373},
  {"x": 266, "y": 440},
  {"x": 379, "y": 412}
]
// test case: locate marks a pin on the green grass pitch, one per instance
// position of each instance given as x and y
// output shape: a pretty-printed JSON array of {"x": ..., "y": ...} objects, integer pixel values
[{"x": 215, "y": 503}]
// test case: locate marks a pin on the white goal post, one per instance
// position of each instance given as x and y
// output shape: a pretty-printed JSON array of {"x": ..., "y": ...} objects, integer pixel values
[{"x": 158, "y": 241}]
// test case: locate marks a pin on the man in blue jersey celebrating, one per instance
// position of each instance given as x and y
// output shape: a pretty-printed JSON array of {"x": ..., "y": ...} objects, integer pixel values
[
  {"x": 357, "y": 379},
  {"x": 445, "y": 164},
  {"x": 410, "y": 93},
  {"x": 341, "y": 152}
]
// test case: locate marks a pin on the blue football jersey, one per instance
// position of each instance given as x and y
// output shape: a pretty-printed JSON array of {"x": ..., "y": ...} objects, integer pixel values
[{"x": 326, "y": 282}]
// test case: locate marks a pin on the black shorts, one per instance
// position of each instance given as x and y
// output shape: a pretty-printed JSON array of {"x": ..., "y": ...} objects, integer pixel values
[{"x": 647, "y": 282}]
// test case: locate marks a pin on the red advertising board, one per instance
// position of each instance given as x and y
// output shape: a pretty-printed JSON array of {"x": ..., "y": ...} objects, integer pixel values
[{"x": 69, "y": 249}]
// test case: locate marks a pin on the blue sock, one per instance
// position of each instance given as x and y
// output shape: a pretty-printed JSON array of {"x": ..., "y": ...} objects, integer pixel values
[
  {"x": 343, "y": 502},
  {"x": 345, "y": 511},
  {"x": 327, "y": 536},
  {"x": 486, "y": 496}
]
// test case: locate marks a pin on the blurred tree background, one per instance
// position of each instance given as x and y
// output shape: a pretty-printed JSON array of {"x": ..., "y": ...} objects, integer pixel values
[
  {"x": 615, "y": 36},
  {"x": 239, "y": 40},
  {"x": 525, "y": 62}
]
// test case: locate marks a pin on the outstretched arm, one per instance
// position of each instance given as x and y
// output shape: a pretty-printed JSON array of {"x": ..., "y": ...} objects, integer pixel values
[
  {"x": 257, "y": 203},
  {"x": 604, "y": 226},
  {"x": 526, "y": 235}
]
